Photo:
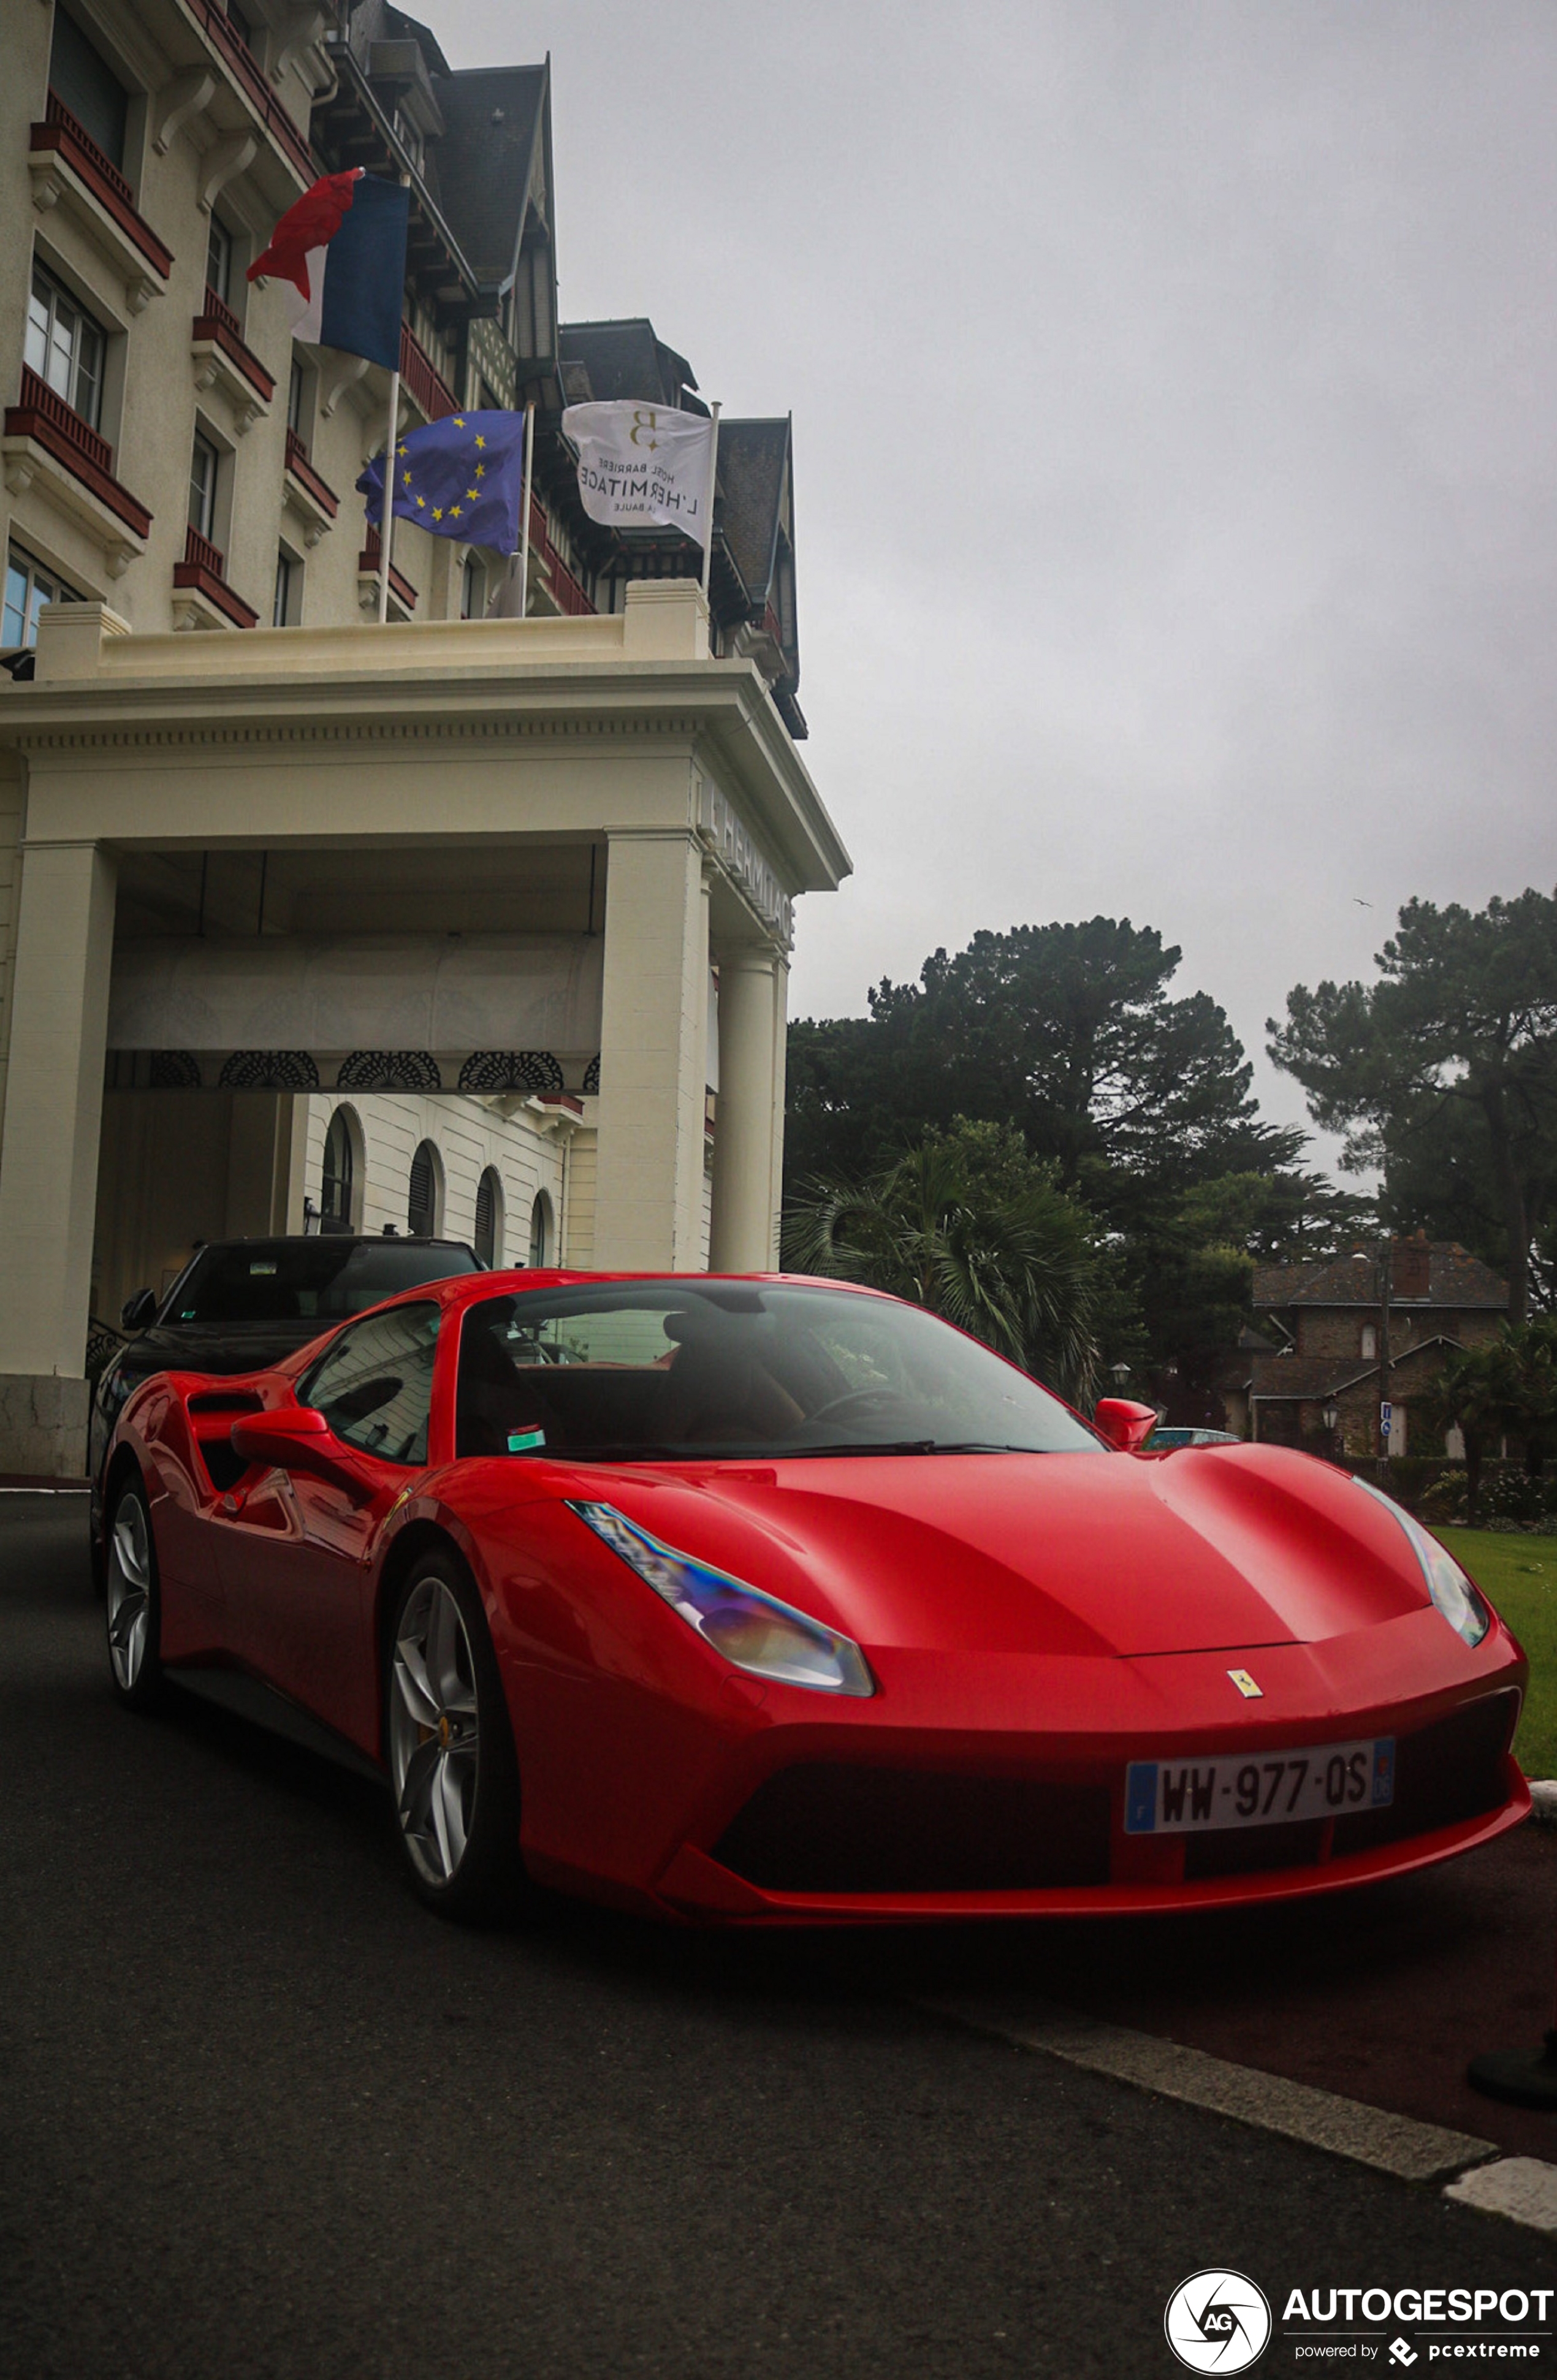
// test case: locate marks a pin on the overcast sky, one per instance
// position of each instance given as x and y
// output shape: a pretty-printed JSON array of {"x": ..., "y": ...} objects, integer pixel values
[{"x": 1175, "y": 387}]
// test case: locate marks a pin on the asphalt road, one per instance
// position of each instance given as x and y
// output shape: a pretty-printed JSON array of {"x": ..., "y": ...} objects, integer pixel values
[{"x": 260, "y": 2114}]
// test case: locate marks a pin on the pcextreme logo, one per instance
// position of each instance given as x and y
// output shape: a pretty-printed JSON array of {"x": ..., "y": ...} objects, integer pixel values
[{"x": 1218, "y": 2321}]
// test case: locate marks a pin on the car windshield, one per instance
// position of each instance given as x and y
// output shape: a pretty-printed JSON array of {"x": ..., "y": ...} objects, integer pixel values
[
  {"x": 670, "y": 1370},
  {"x": 308, "y": 1281}
]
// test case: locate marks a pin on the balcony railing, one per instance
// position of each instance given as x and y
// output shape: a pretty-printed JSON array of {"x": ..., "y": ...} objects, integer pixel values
[
  {"x": 246, "y": 69},
  {"x": 303, "y": 472},
  {"x": 202, "y": 571},
  {"x": 568, "y": 594},
  {"x": 60, "y": 431},
  {"x": 201, "y": 554},
  {"x": 60, "y": 131},
  {"x": 368, "y": 566},
  {"x": 421, "y": 380},
  {"x": 218, "y": 326}
]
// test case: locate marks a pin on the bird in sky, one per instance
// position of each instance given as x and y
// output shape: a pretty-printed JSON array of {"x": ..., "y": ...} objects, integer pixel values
[{"x": 1357, "y": 902}]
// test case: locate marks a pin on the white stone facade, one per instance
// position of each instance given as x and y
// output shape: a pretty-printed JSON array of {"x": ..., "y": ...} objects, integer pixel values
[
  {"x": 532, "y": 1160},
  {"x": 186, "y": 810},
  {"x": 471, "y": 756}
]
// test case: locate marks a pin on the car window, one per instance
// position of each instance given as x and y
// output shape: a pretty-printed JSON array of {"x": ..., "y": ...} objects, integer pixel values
[
  {"x": 309, "y": 1279},
  {"x": 373, "y": 1383},
  {"x": 660, "y": 1369}
]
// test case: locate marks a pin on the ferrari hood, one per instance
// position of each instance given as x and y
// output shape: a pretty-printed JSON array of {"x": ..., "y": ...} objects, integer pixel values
[{"x": 1053, "y": 1553}]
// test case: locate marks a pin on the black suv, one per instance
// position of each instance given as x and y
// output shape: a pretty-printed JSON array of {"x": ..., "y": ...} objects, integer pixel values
[{"x": 239, "y": 1306}]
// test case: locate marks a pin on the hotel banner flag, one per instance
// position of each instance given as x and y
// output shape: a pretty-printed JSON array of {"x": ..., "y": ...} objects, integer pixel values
[{"x": 643, "y": 466}]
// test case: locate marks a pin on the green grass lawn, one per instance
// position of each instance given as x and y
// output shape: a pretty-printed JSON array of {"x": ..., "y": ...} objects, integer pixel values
[{"x": 1520, "y": 1576}]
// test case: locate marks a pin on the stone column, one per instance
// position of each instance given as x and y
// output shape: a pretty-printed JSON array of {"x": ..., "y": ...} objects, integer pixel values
[
  {"x": 743, "y": 1141},
  {"x": 653, "y": 1030},
  {"x": 780, "y": 1071},
  {"x": 48, "y": 1152},
  {"x": 267, "y": 1143}
]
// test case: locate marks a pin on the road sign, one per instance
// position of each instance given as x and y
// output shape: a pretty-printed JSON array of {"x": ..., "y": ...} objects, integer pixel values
[{"x": 1386, "y": 1414}]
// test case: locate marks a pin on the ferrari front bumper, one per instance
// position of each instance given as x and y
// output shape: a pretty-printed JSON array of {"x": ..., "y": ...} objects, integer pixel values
[
  {"x": 863, "y": 1820},
  {"x": 698, "y": 1888}
]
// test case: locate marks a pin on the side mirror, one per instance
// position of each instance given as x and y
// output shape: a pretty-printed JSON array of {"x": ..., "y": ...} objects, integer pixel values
[
  {"x": 1124, "y": 1425},
  {"x": 137, "y": 1312},
  {"x": 295, "y": 1438}
]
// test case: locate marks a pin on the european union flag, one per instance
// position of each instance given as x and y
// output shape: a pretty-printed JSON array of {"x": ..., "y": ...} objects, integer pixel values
[{"x": 462, "y": 477}]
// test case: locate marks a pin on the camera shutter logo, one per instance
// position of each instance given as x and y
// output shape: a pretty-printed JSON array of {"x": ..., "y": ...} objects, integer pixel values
[{"x": 1218, "y": 2321}]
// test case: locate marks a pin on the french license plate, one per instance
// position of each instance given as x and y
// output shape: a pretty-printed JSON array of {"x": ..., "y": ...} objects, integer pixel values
[{"x": 1180, "y": 1797}]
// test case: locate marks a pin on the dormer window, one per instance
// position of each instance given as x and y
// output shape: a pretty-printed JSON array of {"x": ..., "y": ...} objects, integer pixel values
[{"x": 408, "y": 137}]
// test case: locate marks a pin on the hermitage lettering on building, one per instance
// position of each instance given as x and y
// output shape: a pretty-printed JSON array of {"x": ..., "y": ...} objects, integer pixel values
[{"x": 468, "y": 923}]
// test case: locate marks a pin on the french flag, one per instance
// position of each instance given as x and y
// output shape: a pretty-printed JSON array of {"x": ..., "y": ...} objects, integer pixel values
[{"x": 342, "y": 252}]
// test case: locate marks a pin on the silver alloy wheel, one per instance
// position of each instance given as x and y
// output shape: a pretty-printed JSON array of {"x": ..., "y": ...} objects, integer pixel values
[
  {"x": 435, "y": 1742},
  {"x": 129, "y": 1591}
]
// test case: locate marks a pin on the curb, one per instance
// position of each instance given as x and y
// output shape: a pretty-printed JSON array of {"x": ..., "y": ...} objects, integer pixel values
[{"x": 1470, "y": 2171}]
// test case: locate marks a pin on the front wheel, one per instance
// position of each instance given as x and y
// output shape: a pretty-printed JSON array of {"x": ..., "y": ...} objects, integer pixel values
[
  {"x": 451, "y": 1748},
  {"x": 132, "y": 1602}
]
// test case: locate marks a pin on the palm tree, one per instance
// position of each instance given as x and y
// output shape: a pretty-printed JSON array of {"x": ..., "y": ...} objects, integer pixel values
[
  {"x": 1506, "y": 1387},
  {"x": 993, "y": 1247}
]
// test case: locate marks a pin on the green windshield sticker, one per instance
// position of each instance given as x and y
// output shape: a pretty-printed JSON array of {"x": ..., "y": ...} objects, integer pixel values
[
  {"x": 260, "y": 1268},
  {"x": 525, "y": 1442}
]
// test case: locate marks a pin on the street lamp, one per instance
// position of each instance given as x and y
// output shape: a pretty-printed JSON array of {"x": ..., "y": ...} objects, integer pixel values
[
  {"x": 1330, "y": 1414},
  {"x": 1121, "y": 1374}
]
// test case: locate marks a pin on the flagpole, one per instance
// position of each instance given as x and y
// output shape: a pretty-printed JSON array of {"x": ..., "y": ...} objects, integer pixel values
[
  {"x": 386, "y": 526},
  {"x": 707, "y": 509},
  {"x": 524, "y": 508}
]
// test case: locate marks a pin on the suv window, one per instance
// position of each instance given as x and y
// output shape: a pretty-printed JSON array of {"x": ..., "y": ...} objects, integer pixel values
[
  {"x": 308, "y": 1281},
  {"x": 373, "y": 1384}
]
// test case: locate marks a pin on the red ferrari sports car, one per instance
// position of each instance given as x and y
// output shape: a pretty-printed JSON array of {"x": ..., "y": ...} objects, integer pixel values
[{"x": 768, "y": 1600}]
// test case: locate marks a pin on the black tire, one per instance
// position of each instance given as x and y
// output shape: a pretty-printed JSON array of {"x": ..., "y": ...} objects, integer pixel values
[
  {"x": 132, "y": 1602},
  {"x": 449, "y": 1748}
]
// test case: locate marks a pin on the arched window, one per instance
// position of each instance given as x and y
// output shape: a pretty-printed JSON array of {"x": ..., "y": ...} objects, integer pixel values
[
  {"x": 489, "y": 1217},
  {"x": 542, "y": 1249},
  {"x": 423, "y": 1209},
  {"x": 339, "y": 1176}
]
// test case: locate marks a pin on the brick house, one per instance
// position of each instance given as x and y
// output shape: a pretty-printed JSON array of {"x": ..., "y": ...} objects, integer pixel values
[{"x": 1318, "y": 1332}]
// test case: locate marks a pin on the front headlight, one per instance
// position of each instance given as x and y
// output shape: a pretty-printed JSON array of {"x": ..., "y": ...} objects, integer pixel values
[
  {"x": 1451, "y": 1590},
  {"x": 753, "y": 1630}
]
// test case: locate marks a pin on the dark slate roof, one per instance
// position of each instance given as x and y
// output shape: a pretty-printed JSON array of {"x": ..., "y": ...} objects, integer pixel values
[
  {"x": 1303, "y": 1376},
  {"x": 752, "y": 460},
  {"x": 1277, "y": 1285},
  {"x": 1456, "y": 1279},
  {"x": 480, "y": 169},
  {"x": 626, "y": 359},
  {"x": 1313, "y": 1378}
]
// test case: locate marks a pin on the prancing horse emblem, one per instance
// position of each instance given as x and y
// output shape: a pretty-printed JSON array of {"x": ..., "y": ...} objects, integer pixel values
[{"x": 1246, "y": 1685}]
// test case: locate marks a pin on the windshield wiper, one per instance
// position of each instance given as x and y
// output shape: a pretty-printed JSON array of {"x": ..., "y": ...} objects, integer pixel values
[
  {"x": 768, "y": 1452},
  {"x": 910, "y": 1446}
]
